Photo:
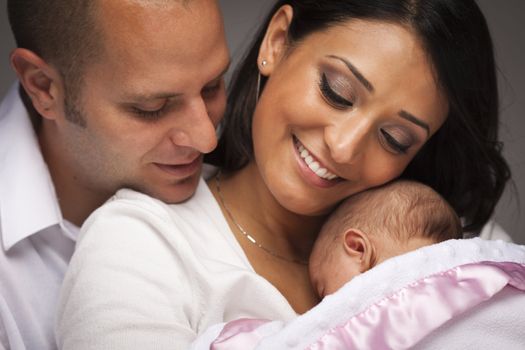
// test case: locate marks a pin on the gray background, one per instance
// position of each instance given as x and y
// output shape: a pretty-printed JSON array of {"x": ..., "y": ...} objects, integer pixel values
[{"x": 506, "y": 24}]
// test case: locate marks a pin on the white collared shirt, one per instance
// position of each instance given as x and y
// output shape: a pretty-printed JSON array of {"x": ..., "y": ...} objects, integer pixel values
[{"x": 36, "y": 242}]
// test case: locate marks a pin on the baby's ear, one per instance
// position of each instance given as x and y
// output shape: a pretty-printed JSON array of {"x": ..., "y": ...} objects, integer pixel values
[{"x": 359, "y": 247}]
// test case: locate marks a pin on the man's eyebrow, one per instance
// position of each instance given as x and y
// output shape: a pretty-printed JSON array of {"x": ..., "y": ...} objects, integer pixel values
[
  {"x": 411, "y": 118},
  {"x": 224, "y": 71},
  {"x": 137, "y": 97},
  {"x": 148, "y": 97},
  {"x": 368, "y": 85}
]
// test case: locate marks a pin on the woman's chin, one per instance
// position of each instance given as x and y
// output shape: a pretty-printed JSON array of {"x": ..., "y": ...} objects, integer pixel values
[{"x": 305, "y": 206}]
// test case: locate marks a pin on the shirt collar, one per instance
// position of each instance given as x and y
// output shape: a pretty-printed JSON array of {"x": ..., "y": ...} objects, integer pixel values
[{"x": 28, "y": 202}]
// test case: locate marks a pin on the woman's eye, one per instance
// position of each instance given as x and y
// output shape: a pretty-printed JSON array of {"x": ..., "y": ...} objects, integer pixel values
[
  {"x": 395, "y": 145},
  {"x": 332, "y": 96}
]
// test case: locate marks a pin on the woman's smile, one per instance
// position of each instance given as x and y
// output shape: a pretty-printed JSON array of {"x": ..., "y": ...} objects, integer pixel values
[
  {"x": 342, "y": 109},
  {"x": 312, "y": 168}
]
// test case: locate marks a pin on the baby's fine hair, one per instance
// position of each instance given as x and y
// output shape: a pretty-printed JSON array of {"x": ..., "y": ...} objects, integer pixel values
[{"x": 401, "y": 209}]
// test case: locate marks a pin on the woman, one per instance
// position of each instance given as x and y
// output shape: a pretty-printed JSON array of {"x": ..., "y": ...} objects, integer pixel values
[{"x": 351, "y": 94}]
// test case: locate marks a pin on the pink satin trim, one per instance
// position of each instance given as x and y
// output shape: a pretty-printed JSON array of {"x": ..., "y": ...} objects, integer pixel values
[
  {"x": 402, "y": 319},
  {"x": 238, "y": 334}
]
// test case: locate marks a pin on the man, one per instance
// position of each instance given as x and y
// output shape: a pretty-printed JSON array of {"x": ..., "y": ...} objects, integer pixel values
[{"x": 111, "y": 94}]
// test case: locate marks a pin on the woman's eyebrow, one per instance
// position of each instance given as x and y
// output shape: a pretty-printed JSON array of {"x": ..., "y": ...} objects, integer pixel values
[
  {"x": 368, "y": 85},
  {"x": 355, "y": 72},
  {"x": 411, "y": 118}
]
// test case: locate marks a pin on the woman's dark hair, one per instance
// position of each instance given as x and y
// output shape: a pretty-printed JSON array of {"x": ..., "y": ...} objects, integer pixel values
[{"x": 463, "y": 160}]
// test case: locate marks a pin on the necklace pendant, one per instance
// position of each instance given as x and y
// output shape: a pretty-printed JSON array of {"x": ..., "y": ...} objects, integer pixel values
[{"x": 245, "y": 233}]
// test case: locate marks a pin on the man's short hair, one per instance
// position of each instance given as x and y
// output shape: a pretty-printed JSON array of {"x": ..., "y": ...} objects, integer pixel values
[
  {"x": 67, "y": 35},
  {"x": 62, "y": 32}
]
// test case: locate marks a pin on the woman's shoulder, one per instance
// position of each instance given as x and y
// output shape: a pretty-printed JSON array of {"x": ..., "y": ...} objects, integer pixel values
[
  {"x": 493, "y": 231},
  {"x": 132, "y": 262},
  {"x": 128, "y": 208},
  {"x": 132, "y": 222},
  {"x": 136, "y": 238},
  {"x": 128, "y": 213},
  {"x": 127, "y": 199},
  {"x": 126, "y": 202},
  {"x": 129, "y": 225}
]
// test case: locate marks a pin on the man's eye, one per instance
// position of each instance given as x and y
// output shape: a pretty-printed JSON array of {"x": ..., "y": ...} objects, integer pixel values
[
  {"x": 211, "y": 89},
  {"x": 333, "y": 97},
  {"x": 147, "y": 114}
]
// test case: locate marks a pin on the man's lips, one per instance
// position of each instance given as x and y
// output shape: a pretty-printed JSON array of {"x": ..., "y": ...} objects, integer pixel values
[{"x": 181, "y": 170}]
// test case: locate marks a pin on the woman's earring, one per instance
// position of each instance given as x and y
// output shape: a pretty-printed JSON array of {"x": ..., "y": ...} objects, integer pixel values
[{"x": 257, "y": 91}]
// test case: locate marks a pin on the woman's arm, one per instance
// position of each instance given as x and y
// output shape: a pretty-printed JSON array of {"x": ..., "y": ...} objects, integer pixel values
[{"x": 127, "y": 287}]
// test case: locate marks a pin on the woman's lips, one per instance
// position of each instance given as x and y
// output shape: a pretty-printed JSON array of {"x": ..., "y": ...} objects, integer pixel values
[
  {"x": 313, "y": 169},
  {"x": 181, "y": 170}
]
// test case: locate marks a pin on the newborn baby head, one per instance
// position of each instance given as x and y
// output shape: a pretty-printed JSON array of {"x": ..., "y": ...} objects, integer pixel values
[{"x": 375, "y": 225}]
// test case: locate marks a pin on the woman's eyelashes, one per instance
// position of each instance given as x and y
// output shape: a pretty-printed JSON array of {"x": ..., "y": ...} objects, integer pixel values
[
  {"x": 337, "y": 91},
  {"x": 394, "y": 144},
  {"x": 331, "y": 94}
]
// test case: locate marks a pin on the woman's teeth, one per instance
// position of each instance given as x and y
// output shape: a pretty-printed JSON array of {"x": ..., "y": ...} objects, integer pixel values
[{"x": 314, "y": 165}]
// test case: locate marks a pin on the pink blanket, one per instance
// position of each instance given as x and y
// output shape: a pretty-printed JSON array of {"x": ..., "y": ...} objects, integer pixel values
[{"x": 460, "y": 294}]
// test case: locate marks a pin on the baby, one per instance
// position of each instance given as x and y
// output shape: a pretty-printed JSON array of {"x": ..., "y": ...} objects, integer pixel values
[
  {"x": 375, "y": 225},
  {"x": 365, "y": 230}
]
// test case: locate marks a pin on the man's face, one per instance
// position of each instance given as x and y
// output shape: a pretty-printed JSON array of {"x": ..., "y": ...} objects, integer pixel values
[{"x": 152, "y": 101}]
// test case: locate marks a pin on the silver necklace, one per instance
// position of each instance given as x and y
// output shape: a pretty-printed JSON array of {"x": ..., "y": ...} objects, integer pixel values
[{"x": 245, "y": 233}]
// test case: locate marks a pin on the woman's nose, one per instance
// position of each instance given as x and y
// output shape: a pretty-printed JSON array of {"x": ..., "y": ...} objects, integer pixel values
[{"x": 347, "y": 138}]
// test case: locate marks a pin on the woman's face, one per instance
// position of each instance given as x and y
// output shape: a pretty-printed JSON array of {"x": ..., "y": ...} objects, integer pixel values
[{"x": 344, "y": 110}]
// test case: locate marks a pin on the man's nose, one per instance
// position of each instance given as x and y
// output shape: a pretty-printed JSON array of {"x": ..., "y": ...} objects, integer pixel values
[
  {"x": 347, "y": 139},
  {"x": 196, "y": 129}
]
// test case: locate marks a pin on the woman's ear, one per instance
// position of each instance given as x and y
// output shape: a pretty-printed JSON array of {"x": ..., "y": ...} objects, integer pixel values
[
  {"x": 275, "y": 41},
  {"x": 40, "y": 81},
  {"x": 360, "y": 248}
]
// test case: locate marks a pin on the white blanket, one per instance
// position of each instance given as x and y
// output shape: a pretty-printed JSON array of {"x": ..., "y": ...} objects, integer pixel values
[{"x": 459, "y": 294}]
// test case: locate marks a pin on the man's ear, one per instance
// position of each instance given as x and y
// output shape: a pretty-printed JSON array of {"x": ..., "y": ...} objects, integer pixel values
[
  {"x": 40, "y": 81},
  {"x": 359, "y": 247},
  {"x": 275, "y": 41}
]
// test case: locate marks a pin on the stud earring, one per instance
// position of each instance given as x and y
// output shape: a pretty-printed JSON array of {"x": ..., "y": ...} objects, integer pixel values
[{"x": 257, "y": 89}]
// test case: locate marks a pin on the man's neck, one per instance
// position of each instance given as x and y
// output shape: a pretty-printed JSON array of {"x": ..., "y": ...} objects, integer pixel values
[{"x": 77, "y": 200}]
